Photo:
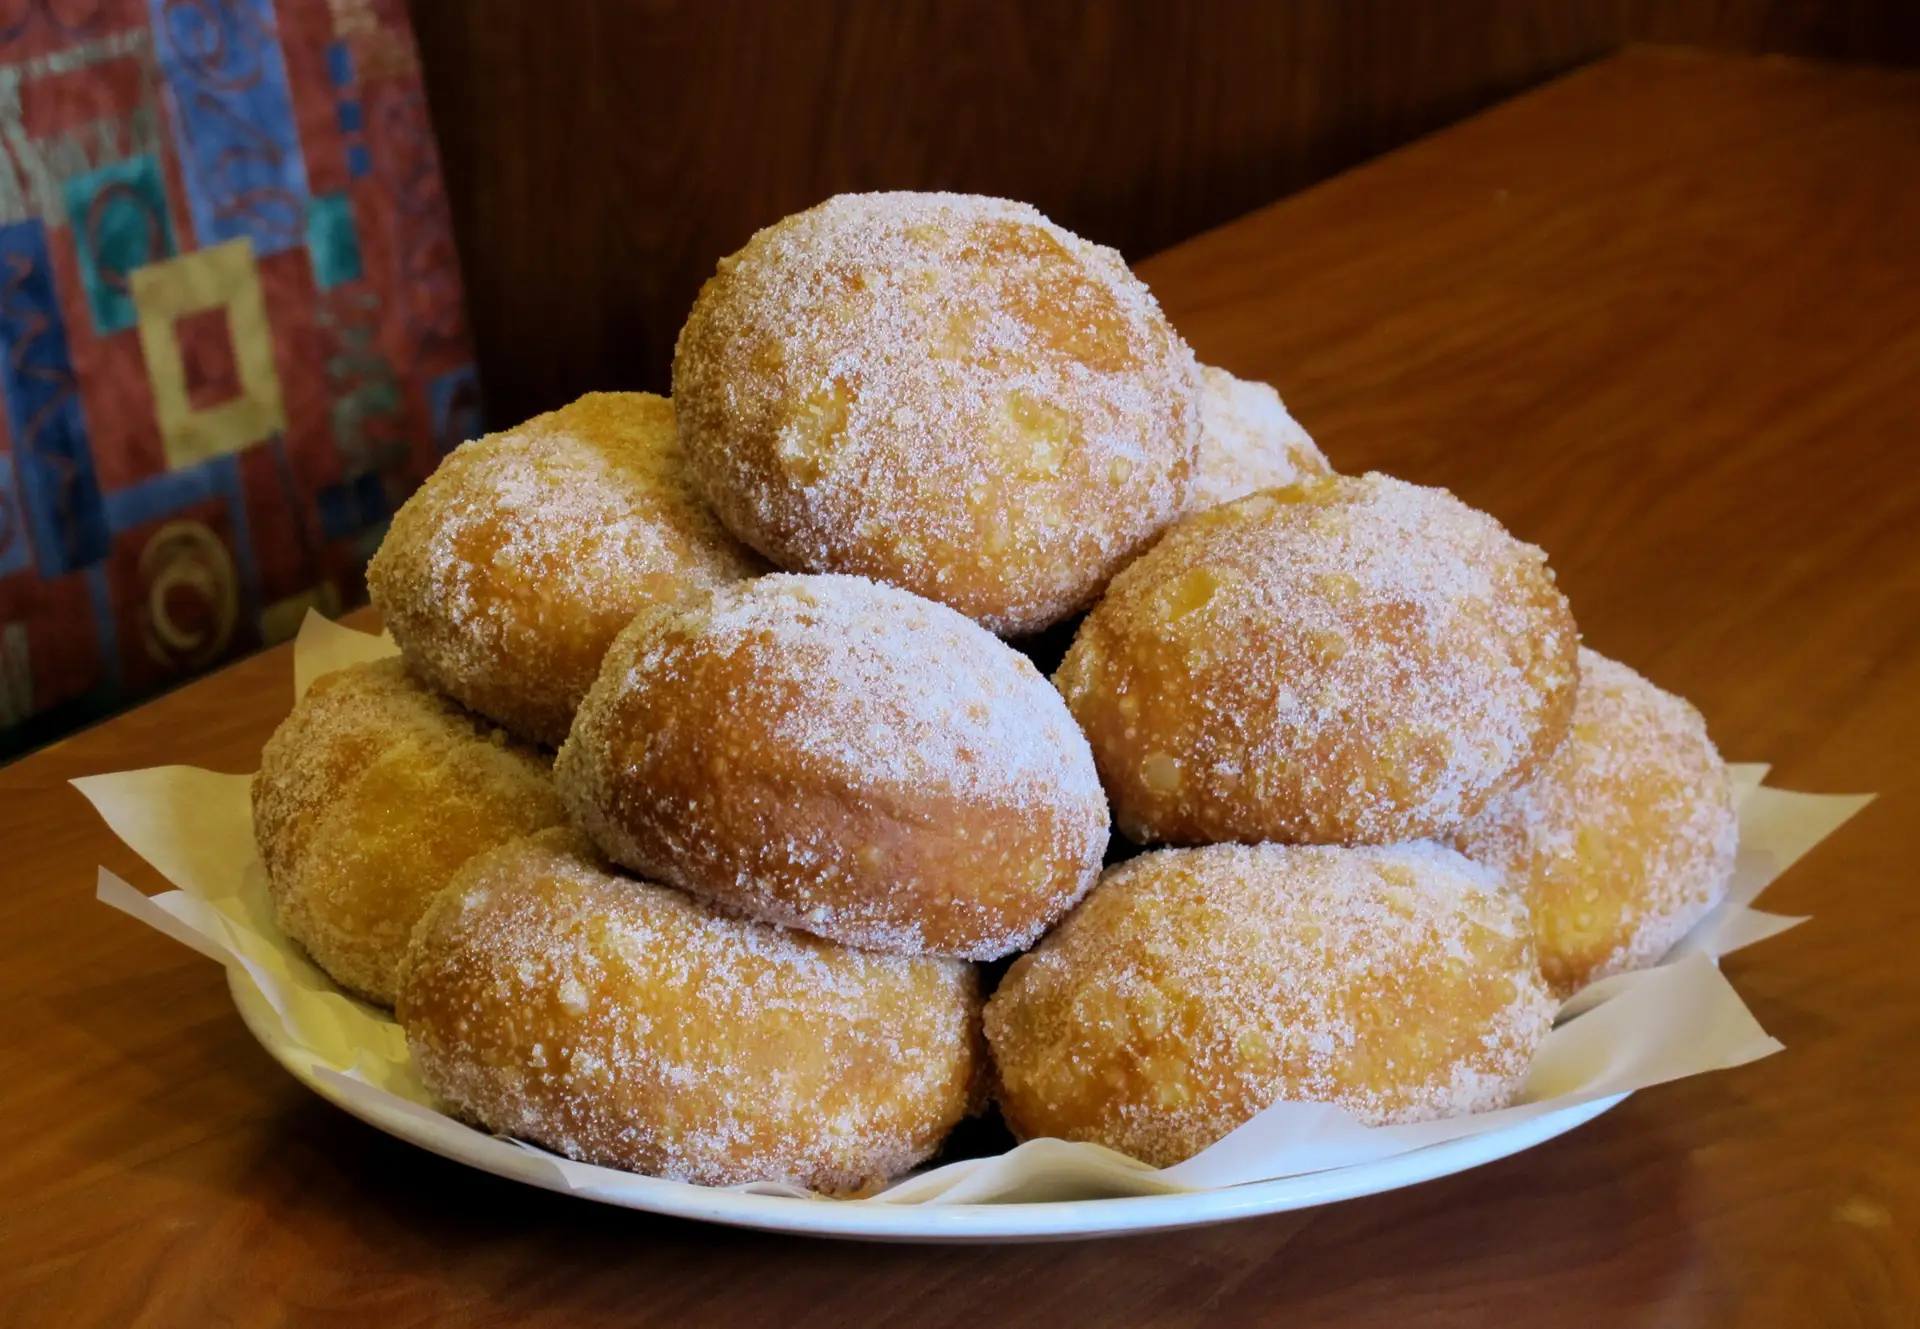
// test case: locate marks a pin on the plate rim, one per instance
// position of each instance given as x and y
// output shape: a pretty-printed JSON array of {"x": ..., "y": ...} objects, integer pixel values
[{"x": 1042, "y": 1220}]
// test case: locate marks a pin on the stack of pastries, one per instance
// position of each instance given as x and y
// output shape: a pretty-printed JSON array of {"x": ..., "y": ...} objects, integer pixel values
[{"x": 716, "y": 770}]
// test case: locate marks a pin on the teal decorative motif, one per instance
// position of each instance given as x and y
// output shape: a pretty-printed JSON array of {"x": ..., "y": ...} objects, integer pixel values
[
  {"x": 331, "y": 241},
  {"x": 119, "y": 219}
]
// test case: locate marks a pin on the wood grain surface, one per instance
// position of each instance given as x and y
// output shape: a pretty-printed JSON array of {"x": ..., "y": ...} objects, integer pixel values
[
  {"x": 601, "y": 155},
  {"x": 1663, "y": 317}
]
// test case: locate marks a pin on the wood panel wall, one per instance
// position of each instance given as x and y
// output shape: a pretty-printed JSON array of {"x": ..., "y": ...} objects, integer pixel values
[{"x": 600, "y": 155}]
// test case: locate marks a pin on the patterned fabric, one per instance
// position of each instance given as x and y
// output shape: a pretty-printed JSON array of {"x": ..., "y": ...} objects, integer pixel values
[{"x": 231, "y": 333}]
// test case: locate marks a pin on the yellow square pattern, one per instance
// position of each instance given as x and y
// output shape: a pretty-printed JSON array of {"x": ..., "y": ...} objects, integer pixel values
[{"x": 223, "y": 275}]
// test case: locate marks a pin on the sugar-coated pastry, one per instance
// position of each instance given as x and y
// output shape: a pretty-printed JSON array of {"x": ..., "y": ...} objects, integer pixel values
[
  {"x": 1627, "y": 836},
  {"x": 508, "y": 573},
  {"x": 839, "y": 756},
  {"x": 1350, "y": 660},
  {"x": 1248, "y": 442},
  {"x": 1195, "y": 987},
  {"x": 943, "y": 392},
  {"x": 625, "y": 1023},
  {"x": 369, "y": 796}
]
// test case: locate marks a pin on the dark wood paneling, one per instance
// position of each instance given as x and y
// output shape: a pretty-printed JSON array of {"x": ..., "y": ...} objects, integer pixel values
[{"x": 600, "y": 155}]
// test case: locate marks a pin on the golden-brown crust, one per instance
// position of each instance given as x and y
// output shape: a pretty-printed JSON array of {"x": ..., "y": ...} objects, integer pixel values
[
  {"x": 626, "y": 1024},
  {"x": 370, "y": 795},
  {"x": 1193, "y": 988},
  {"x": 346, "y": 719},
  {"x": 943, "y": 392},
  {"x": 1625, "y": 839},
  {"x": 1348, "y": 660},
  {"x": 835, "y": 755},
  {"x": 507, "y": 574}
]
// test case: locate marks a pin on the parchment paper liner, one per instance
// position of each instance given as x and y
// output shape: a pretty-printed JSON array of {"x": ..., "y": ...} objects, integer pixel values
[{"x": 1681, "y": 1018}]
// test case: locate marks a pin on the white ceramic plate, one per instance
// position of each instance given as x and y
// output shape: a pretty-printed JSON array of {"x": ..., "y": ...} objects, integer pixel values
[{"x": 1059, "y": 1221}]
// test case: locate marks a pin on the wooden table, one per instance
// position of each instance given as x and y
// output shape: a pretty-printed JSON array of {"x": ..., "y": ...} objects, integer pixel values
[{"x": 1663, "y": 318}]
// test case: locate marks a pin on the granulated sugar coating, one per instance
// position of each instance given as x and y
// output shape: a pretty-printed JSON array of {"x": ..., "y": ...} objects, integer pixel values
[
  {"x": 1344, "y": 661},
  {"x": 506, "y": 576},
  {"x": 1627, "y": 836},
  {"x": 1195, "y": 987},
  {"x": 370, "y": 795},
  {"x": 843, "y": 757},
  {"x": 1248, "y": 442},
  {"x": 940, "y": 391},
  {"x": 623, "y": 1023}
]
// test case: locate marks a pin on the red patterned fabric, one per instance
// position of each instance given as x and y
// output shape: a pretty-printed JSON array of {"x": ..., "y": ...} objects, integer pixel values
[{"x": 231, "y": 332}]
